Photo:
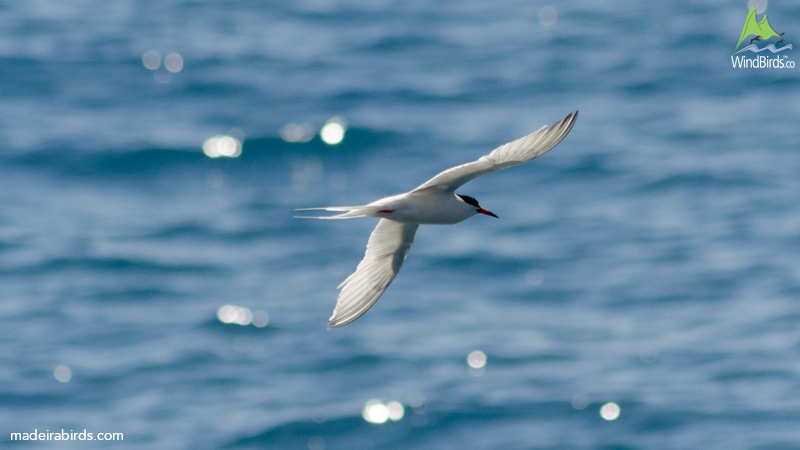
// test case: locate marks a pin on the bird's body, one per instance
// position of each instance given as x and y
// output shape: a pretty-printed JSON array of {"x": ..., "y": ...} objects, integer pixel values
[
  {"x": 433, "y": 202},
  {"x": 426, "y": 207}
]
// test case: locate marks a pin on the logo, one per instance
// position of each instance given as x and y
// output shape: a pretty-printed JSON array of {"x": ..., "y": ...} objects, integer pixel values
[{"x": 759, "y": 32}]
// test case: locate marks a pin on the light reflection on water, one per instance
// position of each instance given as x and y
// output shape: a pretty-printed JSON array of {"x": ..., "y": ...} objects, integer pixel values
[
  {"x": 240, "y": 315},
  {"x": 476, "y": 361},
  {"x": 297, "y": 132},
  {"x": 222, "y": 145},
  {"x": 610, "y": 411},
  {"x": 375, "y": 411},
  {"x": 62, "y": 373},
  {"x": 151, "y": 59},
  {"x": 172, "y": 63},
  {"x": 332, "y": 133}
]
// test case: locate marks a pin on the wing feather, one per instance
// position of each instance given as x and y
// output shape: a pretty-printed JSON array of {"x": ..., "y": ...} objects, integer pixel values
[
  {"x": 387, "y": 248},
  {"x": 513, "y": 153}
]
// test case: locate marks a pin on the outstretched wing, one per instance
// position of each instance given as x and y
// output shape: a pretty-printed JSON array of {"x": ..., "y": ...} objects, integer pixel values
[
  {"x": 387, "y": 248},
  {"x": 513, "y": 153}
]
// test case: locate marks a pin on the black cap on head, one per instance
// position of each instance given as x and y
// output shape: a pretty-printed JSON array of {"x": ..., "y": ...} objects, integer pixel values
[{"x": 469, "y": 200}]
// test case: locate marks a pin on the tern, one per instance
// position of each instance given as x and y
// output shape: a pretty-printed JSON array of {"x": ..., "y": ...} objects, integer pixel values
[{"x": 433, "y": 202}]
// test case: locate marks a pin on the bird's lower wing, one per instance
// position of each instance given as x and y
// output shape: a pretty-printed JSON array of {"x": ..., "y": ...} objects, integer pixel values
[
  {"x": 387, "y": 248},
  {"x": 513, "y": 153}
]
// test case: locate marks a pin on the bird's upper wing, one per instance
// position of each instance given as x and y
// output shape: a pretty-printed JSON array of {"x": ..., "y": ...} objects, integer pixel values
[
  {"x": 387, "y": 248},
  {"x": 513, "y": 153}
]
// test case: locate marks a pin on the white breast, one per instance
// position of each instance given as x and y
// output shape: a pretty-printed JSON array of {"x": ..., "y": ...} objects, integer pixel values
[{"x": 424, "y": 208}]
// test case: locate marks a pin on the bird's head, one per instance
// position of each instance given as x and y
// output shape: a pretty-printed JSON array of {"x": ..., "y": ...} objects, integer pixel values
[{"x": 478, "y": 208}]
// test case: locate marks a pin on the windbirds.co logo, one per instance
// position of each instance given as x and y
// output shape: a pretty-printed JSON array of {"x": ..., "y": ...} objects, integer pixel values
[{"x": 755, "y": 32}]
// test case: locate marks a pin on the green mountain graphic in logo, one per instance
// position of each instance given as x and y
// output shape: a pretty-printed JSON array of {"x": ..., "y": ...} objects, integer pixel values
[{"x": 762, "y": 30}]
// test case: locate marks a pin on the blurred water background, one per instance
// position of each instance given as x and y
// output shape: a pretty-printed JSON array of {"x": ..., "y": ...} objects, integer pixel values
[{"x": 640, "y": 289}]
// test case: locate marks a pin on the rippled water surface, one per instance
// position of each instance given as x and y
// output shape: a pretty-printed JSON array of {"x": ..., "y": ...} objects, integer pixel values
[{"x": 640, "y": 289}]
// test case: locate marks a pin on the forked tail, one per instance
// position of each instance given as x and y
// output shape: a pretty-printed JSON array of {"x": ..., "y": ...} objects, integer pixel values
[{"x": 349, "y": 212}]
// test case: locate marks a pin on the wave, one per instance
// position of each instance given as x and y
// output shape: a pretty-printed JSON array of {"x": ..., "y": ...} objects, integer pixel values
[
  {"x": 771, "y": 47},
  {"x": 258, "y": 154}
]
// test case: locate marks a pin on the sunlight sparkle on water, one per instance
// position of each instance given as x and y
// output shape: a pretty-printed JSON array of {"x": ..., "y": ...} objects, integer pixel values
[
  {"x": 477, "y": 362},
  {"x": 62, "y": 374},
  {"x": 580, "y": 401},
  {"x": 375, "y": 411},
  {"x": 610, "y": 411},
  {"x": 297, "y": 132},
  {"x": 173, "y": 62},
  {"x": 240, "y": 315},
  {"x": 151, "y": 59},
  {"x": 260, "y": 319},
  {"x": 222, "y": 145},
  {"x": 333, "y": 131}
]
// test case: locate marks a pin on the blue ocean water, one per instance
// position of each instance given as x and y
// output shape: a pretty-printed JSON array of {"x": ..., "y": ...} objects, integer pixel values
[{"x": 640, "y": 289}]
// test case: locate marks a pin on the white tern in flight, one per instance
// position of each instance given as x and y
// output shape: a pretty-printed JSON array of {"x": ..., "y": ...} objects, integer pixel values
[{"x": 433, "y": 202}]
